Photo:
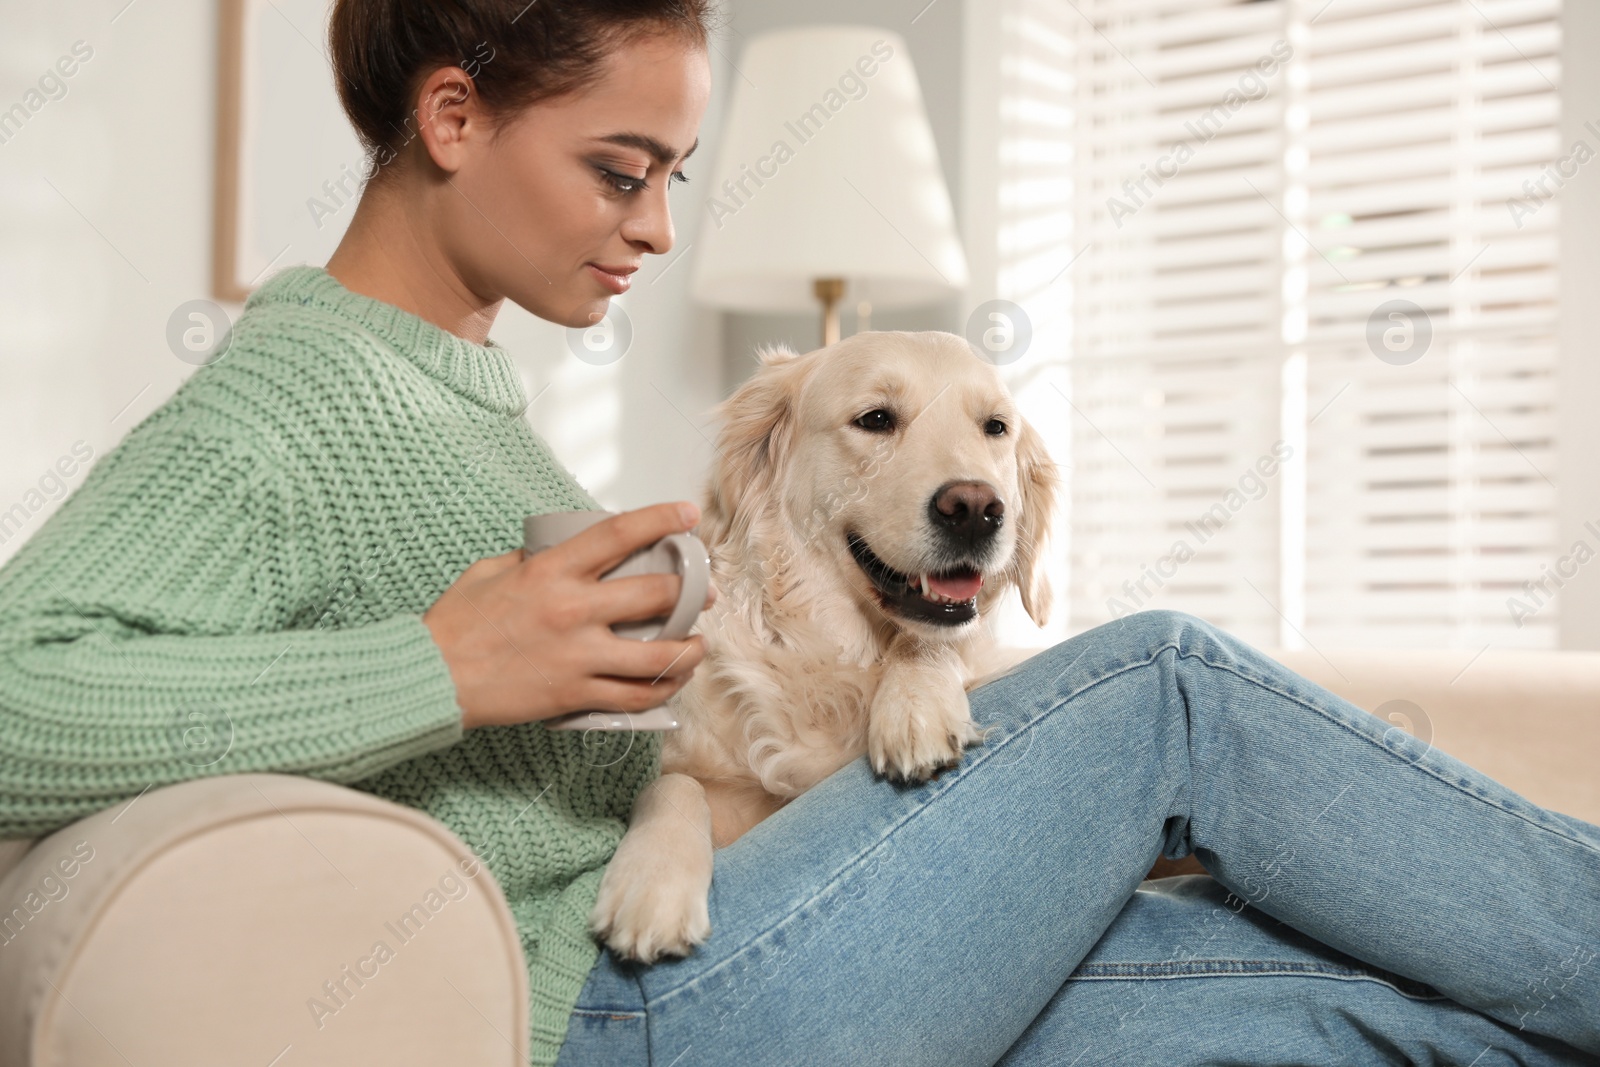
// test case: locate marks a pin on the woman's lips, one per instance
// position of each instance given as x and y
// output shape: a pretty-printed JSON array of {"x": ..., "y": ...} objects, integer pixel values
[{"x": 617, "y": 283}]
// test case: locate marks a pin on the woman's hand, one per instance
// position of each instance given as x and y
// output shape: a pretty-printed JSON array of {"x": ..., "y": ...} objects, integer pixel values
[{"x": 529, "y": 637}]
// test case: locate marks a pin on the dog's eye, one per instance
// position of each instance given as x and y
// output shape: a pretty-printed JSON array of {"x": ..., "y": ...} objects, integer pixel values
[
  {"x": 994, "y": 427},
  {"x": 876, "y": 420}
]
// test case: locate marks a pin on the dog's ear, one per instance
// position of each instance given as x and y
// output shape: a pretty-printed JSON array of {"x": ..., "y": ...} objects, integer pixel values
[
  {"x": 753, "y": 443},
  {"x": 1038, "y": 485},
  {"x": 774, "y": 352}
]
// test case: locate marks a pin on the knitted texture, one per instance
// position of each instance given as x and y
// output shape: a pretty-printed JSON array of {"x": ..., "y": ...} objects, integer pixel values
[{"x": 239, "y": 585}]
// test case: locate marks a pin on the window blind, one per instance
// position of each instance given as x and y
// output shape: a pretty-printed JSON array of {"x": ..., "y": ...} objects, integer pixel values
[{"x": 1313, "y": 346}]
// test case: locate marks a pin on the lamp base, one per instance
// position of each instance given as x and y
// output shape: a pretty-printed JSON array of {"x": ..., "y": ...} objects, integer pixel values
[{"x": 830, "y": 291}]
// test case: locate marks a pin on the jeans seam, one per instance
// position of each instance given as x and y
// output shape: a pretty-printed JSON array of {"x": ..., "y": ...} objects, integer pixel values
[{"x": 1266, "y": 969}]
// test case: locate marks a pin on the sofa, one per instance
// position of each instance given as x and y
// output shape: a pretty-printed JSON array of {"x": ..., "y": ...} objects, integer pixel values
[{"x": 211, "y": 921}]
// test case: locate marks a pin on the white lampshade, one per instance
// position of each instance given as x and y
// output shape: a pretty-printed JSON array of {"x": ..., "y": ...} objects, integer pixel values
[{"x": 826, "y": 169}]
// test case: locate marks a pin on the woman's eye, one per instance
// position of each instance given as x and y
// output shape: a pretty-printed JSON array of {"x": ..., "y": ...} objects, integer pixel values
[
  {"x": 994, "y": 427},
  {"x": 876, "y": 420},
  {"x": 622, "y": 183},
  {"x": 627, "y": 183}
]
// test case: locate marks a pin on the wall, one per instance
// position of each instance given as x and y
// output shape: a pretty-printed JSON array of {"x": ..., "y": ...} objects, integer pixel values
[
  {"x": 1579, "y": 479},
  {"x": 107, "y": 194}
]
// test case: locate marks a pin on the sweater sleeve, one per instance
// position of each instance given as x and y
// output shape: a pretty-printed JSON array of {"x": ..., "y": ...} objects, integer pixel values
[{"x": 153, "y": 630}]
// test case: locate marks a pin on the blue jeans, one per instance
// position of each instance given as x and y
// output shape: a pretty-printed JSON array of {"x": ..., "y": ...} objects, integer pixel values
[{"x": 1373, "y": 901}]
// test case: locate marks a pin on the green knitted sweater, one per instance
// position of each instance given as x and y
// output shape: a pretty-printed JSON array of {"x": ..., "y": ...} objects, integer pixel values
[{"x": 254, "y": 558}]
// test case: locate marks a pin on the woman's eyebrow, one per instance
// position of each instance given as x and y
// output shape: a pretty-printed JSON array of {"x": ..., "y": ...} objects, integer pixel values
[{"x": 643, "y": 141}]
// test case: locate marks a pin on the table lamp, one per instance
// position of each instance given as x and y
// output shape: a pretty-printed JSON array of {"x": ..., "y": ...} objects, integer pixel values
[{"x": 826, "y": 178}]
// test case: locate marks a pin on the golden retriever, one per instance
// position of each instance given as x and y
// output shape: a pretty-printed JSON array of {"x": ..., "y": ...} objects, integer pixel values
[{"x": 869, "y": 504}]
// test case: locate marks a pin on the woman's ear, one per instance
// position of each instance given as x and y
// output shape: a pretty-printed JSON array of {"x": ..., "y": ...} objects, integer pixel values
[
  {"x": 753, "y": 444},
  {"x": 448, "y": 109},
  {"x": 1038, "y": 485}
]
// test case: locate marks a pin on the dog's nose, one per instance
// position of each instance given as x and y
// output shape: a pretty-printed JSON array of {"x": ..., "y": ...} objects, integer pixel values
[{"x": 967, "y": 511}]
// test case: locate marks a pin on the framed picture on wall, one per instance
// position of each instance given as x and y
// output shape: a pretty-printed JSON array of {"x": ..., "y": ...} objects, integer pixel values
[{"x": 288, "y": 165}]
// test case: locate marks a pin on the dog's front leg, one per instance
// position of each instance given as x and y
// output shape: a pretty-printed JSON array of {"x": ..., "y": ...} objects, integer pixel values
[
  {"x": 919, "y": 719},
  {"x": 654, "y": 895}
]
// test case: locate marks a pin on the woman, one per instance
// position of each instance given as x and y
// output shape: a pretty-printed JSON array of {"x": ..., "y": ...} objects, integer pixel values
[{"x": 315, "y": 540}]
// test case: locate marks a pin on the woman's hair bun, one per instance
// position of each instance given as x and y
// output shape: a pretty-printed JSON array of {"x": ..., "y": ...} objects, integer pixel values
[{"x": 517, "y": 53}]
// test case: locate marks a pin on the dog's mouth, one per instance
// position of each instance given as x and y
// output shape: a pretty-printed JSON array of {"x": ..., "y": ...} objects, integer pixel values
[{"x": 945, "y": 598}]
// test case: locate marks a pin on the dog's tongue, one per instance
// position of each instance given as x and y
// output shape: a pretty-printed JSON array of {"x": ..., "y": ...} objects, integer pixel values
[{"x": 963, "y": 588}]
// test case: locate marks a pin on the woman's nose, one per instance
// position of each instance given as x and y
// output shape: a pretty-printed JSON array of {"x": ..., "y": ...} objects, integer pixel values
[{"x": 651, "y": 225}]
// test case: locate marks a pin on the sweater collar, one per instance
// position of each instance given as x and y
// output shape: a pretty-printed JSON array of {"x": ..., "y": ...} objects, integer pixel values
[{"x": 483, "y": 373}]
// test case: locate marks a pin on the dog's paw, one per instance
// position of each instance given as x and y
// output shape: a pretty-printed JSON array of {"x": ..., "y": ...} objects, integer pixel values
[
  {"x": 650, "y": 906},
  {"x": 914, "y": 730}
]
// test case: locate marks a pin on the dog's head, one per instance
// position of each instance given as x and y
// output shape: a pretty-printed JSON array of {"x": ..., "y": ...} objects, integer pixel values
[{"x": 900, "y": 462}]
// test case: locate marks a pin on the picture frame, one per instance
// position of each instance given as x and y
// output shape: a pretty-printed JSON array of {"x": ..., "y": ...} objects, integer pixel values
[{"x": 288, "y": 165}]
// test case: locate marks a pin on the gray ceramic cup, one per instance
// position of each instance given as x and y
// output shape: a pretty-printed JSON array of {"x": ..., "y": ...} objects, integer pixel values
[{"x": 682, "y": 554}]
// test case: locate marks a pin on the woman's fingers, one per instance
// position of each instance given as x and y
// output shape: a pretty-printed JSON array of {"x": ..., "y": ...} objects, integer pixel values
[
  {"x": 638, "y": 596},
  {"x": 615, "y": 694},
  {"x": 626, "y": 658},
  {"x": 608, "y": 542}
]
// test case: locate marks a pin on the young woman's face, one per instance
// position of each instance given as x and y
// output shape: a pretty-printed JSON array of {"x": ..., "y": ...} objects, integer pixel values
[{"x": 577, "y": 182}]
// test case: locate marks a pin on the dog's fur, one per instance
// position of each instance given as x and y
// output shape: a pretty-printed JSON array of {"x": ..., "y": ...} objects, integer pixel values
[{"x": 807, "y": 666}]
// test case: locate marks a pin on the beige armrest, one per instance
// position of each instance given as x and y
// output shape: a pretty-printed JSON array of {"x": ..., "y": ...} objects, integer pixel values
[{"x": 203, "y": 923}]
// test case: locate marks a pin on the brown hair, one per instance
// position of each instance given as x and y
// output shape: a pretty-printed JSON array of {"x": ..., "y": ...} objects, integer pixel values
[{"x": 516, "y": 52}]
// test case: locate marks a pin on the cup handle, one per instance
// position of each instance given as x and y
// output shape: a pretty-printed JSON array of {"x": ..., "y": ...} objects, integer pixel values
[{"x": 694, "y": 568}]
